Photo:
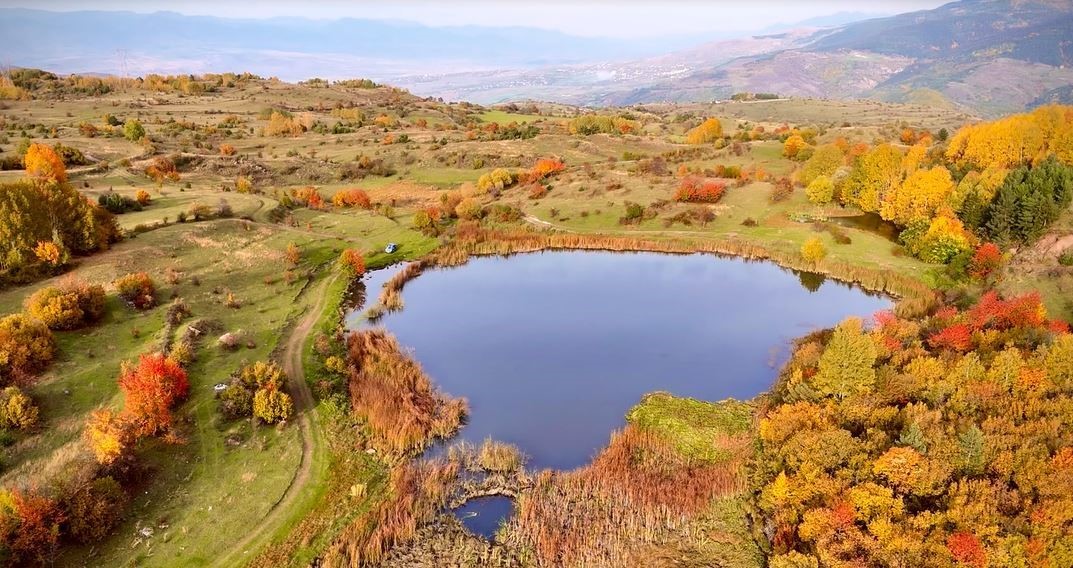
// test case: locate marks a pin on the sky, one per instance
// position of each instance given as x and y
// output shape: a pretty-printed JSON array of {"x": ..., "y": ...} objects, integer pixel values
[{"x": 601, "y": 18}]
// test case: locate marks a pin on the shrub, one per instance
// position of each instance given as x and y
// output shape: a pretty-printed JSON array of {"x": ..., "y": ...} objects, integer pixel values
[
  {"x": 468, "y": 208},
  {"x": 422, "y": 220},
  {"x": 26, "y": 348},
  {"x": 697, "y": 190},
  {"x": 133, "y": 130},
  {"x": 95, "y": 509},
  {"x": 353, "y": 197},
  {"x": 537, "y": 191},
  {"x": 293, "y": 254},
  {"x": 71, "y": 305},
  {"x": 781, "y": 191},
  {"x": 1066, "y": 258},
  {"x": 272, "y": 405},
  {"x": 118, "y": 204},
  {"x": 29, "y": 527},
  {"x": 227, "y": 150},
  {"x": 182, "y": 353},
  {"x": 137, "y": 289},
  {"x": 142, "y": 197},
  {"x": 545, "y": 167},
  {"x": 243, "y": 185},
  {"x": 236, "y": 401},
  {"x": 985, "y": 261},
  {"x": 813, "y": 250},
  {"x": 497, "y": 179},
  {"x": 353, "y": 262},
  {"x": 17, "y": 410}
]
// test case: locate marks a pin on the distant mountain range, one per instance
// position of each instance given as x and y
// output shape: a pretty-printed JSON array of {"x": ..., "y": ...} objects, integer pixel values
[
  {"x": 984, "y": 56},
  {"x": 987, "y": 57}
]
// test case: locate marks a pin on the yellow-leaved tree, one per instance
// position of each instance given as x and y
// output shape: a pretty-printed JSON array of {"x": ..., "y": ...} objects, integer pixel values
[
  {"x": 919, "y": 197},
  {"x": 709, "y": 131},
  {"x": 876, "y": 173}
]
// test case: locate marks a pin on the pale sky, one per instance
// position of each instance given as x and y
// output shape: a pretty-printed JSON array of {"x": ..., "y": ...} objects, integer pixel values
[{"x": 609, "y": 18}]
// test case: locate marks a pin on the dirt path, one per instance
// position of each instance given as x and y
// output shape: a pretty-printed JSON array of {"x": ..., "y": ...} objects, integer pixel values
[{"x": 304, "y": 407}]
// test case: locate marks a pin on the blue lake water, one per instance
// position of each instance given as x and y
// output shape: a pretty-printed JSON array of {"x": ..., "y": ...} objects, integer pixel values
[{"x": 551, "y": 349}]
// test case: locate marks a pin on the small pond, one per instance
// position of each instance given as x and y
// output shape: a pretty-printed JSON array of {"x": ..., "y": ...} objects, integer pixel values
[
  {"x": 483, "y": 515},
  {"x": 553, "y": 348}
]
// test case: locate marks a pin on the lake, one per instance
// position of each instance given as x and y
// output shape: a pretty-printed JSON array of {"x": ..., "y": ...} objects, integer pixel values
[{"x": 551, "y": 349}]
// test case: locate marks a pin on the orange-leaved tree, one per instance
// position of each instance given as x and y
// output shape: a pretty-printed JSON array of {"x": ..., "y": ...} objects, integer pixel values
[
  {"x": 43, "y": 163},
  {"x": 152, "y": 388}
]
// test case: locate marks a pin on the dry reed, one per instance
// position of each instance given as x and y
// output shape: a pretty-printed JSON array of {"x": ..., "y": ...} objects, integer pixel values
[
  {"x": 392, "y": 394},
  {"x": 639, "y": 491},
  {"x": 418, "y": 492}
]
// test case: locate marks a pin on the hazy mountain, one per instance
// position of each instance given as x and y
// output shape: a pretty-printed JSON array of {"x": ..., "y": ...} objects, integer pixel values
[
  {"x": 987, "y": 56},
  {"x": 291, "y": 48},
  {"x": 984, "y": 56}
]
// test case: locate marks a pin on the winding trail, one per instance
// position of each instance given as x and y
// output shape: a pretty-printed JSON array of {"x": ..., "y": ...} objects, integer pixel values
[{"x": 305, "y": 410}]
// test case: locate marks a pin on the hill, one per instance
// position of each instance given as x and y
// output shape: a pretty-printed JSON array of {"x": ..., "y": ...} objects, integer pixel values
[{"x": 988, "y": 57}]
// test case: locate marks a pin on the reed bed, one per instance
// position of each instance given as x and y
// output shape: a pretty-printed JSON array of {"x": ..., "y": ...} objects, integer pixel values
[
  {"x": 402, "y": 409},
  {"x": 637, "y": 493},
  {"x": 418, "y": 492},
  {"x": 915, "y": 297}
]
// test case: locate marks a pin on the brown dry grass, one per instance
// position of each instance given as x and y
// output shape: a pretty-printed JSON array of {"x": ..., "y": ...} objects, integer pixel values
[
  {"x": 638, "y": 492},
  {"x": 402, "y": 409},
  {"x": 418, "y": 492}
]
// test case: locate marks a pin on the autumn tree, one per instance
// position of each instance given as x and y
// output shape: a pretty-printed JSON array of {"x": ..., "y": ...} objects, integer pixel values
[
  {"x": 707, "y": 132},
  {"x": 272, "y": 405},
  {"x": 919, "y": 197},
  {"x": 152, "y": 388},
  {"x": 31, "y": 214},
  {"x": 17, "y": 409},
  {"x": 847, "y": 364},
  {"x": 95, "y": 509},
  {"x": 44, "y": 164},
  {"x": 29, "y": 527},
  {"x": 497, "y": 179},
  {"x": 293, "y": 254},
  {"x": 353, "y": 262},
  {"x": 26, "y": 348},
  {"x": 986, "y": 260},
  {"x": 821, "y": 190},
  {"x": 813, "y": 250},
  {"x": 544, "y": 168},
  {"x": 824, "y": 162},
  {"x": 793, "y": 146},
  {"x": 875, "y": 174},
  {"x": 694, "y": 189},
  {"x": 51, "y": 254}
]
